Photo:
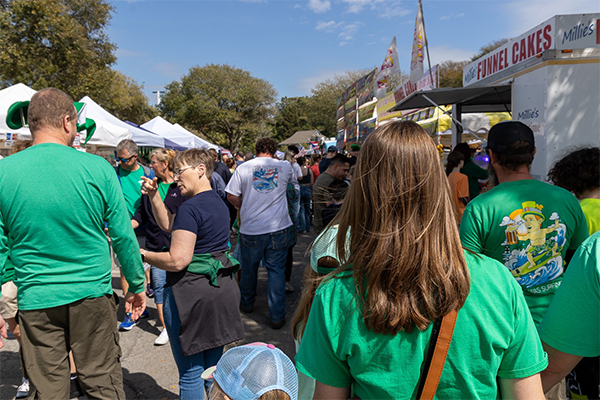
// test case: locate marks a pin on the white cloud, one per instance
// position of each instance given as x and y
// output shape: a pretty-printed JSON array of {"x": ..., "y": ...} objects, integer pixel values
[
  {"x": 444, "y": 53},
  {"x": 319, "y": 6},
  {"x": 394, "y": 10},
  {"x": 451, "y": 16},
  {"x": 328, "y": 26},
  {"x": 535, "y": 12},
  {"x": 349, "y": 30}
]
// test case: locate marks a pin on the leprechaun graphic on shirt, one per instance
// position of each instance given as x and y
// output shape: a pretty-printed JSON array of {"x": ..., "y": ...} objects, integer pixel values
[{"x": 532, "y": 249}]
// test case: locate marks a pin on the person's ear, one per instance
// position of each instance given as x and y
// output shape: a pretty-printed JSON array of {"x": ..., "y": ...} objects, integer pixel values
[{"x": 493, "y": 157}]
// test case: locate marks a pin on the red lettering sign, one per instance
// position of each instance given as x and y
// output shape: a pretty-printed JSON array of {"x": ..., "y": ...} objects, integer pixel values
[
  {"x": 547, "y": 37},
  {"x": 538, "y": 41},
  {"x": 530, "y": 46},
  {"x": 515, "y": 53}
]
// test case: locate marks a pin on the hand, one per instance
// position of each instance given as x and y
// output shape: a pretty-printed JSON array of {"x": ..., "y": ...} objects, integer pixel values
[
  {"x": 135, "y": 303},
  {"x": 3, "y": 332},
  {"x": 149, "y": 186}
]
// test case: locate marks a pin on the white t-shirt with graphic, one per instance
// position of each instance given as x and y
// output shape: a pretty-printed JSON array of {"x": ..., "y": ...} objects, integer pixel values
[{"x": 262, "y": 183}]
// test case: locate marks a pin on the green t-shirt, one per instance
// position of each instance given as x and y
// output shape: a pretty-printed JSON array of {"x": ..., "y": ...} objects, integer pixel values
[
  {"x": 494, "y": 337},
  {"x": 130, "y": 183},
  {"x": 54, "y": 215},
  {"x": 474, "y": 172},
  {"x": 591, "y": 210},
  {"x": 572, "y": 323},
  {"x": 528, "y": 226},
  {"x": 163, "y": 188}
]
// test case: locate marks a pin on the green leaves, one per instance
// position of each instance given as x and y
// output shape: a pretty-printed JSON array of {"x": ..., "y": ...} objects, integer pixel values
[{"x": 226, "y": 104}]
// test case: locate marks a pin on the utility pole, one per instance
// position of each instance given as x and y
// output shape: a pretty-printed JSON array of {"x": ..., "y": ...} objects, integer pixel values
[{"x": 158, "y": 92}]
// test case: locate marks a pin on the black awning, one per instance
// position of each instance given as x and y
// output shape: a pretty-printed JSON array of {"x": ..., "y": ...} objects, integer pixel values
[{"x": 472, "y": 99}]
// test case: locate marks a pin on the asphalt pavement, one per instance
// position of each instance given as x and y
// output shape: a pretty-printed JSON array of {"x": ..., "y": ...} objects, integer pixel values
[{"x": 149, "y": 371}]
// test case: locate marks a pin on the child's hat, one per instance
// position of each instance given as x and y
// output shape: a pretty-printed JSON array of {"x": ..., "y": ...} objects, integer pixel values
[{"x": 247, "y": 372}]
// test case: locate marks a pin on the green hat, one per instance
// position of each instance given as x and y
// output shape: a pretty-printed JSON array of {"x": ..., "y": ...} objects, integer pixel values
[
  {"x": 355, "y": 147},
  {"x": 17, "y": 118}
]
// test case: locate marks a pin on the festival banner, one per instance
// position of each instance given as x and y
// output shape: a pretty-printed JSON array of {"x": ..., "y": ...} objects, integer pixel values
[
  {"x": 366, "y": 111},
  {"x": 416, "y": 59},
  {"x": 365, "y": 92},
  {"x": 341, "y": 124},
  {"x": 390, "y": 66},
  {"x": 365, "y": 128},
  {"x": 350, "y": 105},
  {"x": 340, "y": 112},
  {"x": 383, "y": 107}
]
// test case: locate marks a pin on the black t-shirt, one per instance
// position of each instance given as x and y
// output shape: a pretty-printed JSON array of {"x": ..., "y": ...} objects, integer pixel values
[{"x": 207, "y": 216}]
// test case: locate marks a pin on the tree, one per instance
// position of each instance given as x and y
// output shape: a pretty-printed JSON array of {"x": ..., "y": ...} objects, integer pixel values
[
  {"x": 225, "y": 104},
  {"x": 292, "y": 116},
  {"x": 488, "y": 48},
  {"x": 63, "y": 44},
  {"x": 451, "y": 73}
]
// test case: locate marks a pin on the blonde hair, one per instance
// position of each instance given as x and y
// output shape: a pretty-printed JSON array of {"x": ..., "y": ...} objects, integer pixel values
[
  {"x": 216, "y": 393},
  {"x": 164, "y": 155},
  {"x": 312, "y": 280},
  {"x": 405, "y": 252}
]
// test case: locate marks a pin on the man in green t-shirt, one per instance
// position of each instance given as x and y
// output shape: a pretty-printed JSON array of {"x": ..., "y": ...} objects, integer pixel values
[
  {"x": 526, "y": 224},
  {"x": 130, "y": 174},
  {"x": 54, "y": 215}
]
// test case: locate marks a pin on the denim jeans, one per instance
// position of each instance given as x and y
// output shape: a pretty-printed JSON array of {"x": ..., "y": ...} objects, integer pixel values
[
  {"x": 304, "y": 216},
  {"x": 272, "y": 249},
  {"x": 191, "y": 367},
  {"x": 159, "y": 278}
]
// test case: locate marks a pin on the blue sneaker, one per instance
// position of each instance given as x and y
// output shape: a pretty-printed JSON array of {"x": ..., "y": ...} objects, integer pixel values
[
  {"x": 145, "y": 314},
  {"x": 128, "y": 323}
]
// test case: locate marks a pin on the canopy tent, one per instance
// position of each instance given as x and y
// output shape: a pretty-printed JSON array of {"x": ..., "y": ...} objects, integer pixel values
[
  {"x": 302, "y": 137},
  {"x": 199, "y": 142},
  {"x": 102, "y": 117},
  {"x": 471, "y": 99},
  {"x": 169, "y": 144},
  {"x": 439, "y": 125},
  {"x": 8, "y": 97},
  {"x": 177, "y": 134}
]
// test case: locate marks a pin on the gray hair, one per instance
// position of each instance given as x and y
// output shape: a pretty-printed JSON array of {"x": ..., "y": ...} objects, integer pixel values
[{"x": 128, "y": 145}]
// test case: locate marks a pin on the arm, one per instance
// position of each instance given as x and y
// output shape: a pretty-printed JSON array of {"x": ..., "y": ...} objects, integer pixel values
[
  {"x": 235, "y": 201},
  {"x": 179, "y": 256},
  {"x": 559, "y": 366},
  {"x": 529, "y": 388},
  {"x": 162, "y": 215},
  {"x": 326, "y": 392},
  {"x": 3, "y": 332}
]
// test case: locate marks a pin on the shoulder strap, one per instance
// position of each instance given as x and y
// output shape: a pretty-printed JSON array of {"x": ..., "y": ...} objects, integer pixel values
[{"x": 441, "y": 336}]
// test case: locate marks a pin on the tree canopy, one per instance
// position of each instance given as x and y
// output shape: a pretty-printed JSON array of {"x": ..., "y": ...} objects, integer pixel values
[
  {"x": 63, "y": 44},
  {"x": 225, "y": 104}
]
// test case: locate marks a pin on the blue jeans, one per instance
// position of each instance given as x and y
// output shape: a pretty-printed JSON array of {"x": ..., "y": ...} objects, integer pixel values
[
  {"x": 272, "y": 249},
  {"x": 304, "y": 216},
  {"x": 159, "y": 278},
  {"x": 191, "y": 385}
]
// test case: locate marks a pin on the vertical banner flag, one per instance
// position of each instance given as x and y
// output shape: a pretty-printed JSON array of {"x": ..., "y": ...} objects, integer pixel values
[
  {"x": 390, "y": 66},
  {"x": 416, "y": 59}
]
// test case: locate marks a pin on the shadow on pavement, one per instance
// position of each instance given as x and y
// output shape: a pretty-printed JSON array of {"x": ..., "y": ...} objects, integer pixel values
[{"x": 143, "y": 386}]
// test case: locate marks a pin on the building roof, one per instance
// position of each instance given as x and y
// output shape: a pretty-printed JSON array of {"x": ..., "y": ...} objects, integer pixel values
[{"x": 302, "y": 137}]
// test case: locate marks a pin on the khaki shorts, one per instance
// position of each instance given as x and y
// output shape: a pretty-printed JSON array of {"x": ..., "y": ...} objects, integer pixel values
[{"x": 8, "y": 300}]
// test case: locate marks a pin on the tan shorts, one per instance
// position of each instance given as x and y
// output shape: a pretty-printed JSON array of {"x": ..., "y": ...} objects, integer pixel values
[{"x": 8, "y": 300}]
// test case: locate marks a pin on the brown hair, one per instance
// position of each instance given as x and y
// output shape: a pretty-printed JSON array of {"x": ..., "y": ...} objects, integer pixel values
[
  {"x": 195, "y": 157},
  {"x": 312, "y": 279},
  {"x": 266, "y": 145},
  {"x": 512, "y": 162},
  {"x": 315, "y": 158},
  {"x": 216, "y": 393},
  {"x": 406, "y": 256},
  {"x": 230, "y": 162},
  {"x": 48, "y": 108},
  {"x": 164, "y": 155}
]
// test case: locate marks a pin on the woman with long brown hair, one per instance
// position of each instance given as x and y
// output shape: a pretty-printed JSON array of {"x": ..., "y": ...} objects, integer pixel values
[{"x": 371, "y": 321}]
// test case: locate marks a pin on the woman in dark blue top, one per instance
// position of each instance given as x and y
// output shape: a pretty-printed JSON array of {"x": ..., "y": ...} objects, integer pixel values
[{"x": 201, "y": 297}]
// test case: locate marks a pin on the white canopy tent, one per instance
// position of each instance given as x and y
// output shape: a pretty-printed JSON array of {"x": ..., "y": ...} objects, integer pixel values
[
  {"x": 8, "y": 97},
  {"x": 103, "y": 119},
  {"x": 177, "y": 134}
]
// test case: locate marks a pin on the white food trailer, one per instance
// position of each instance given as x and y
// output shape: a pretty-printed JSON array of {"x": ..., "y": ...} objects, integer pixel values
[{"x": 548, "y": 78}]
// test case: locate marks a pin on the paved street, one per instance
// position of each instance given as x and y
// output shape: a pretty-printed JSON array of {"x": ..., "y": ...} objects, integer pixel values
[{"x": 149, "y": 371}]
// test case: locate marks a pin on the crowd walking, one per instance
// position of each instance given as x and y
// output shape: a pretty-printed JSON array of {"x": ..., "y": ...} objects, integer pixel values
[{"x": 420, "y": 283}]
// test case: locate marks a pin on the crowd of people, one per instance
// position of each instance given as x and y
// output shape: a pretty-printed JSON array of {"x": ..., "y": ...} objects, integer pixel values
[{"x": 419, "y": 285}]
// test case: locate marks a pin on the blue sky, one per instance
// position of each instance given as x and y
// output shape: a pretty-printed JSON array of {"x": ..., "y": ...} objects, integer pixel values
[{"x": 294, "y": 44}]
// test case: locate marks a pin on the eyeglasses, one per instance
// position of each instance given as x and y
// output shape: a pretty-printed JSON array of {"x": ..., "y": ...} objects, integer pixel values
[
  {"x": 125, "y": 160},
  {"x": 180, "y": 171}
]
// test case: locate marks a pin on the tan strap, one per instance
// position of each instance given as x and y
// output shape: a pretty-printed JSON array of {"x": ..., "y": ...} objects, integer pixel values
[{"x": 439, "y": 355}]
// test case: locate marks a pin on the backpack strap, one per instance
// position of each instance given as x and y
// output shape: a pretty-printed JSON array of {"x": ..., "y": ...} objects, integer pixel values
[{"x": 433, "y": 365}]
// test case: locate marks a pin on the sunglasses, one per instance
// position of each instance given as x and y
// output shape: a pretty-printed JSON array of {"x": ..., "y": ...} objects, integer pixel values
[{"x": 125, "y": 160}]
